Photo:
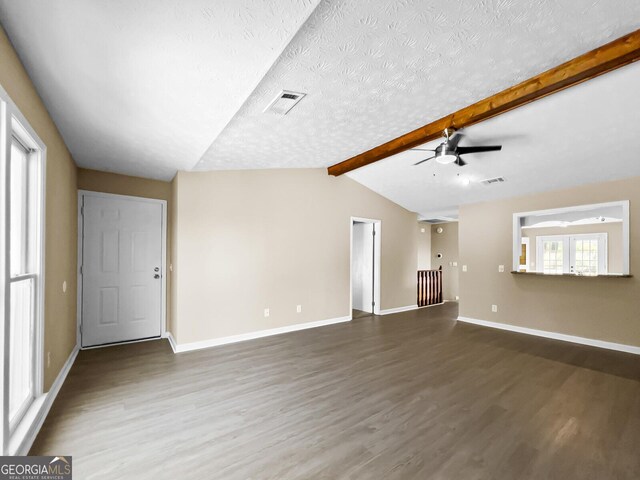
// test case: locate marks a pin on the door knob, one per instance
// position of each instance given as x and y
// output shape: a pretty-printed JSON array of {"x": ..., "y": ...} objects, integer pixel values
[
  {"x": 157, "y": 269},
  {"x": 156, "y": 275}
]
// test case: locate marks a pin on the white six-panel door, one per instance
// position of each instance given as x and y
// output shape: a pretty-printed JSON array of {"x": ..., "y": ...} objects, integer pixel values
[{"x": 122, "y": 248}]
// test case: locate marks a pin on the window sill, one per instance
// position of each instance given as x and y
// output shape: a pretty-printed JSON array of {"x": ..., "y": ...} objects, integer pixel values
[
  {"x": 607, "y": 275},
  {"x": 27, "y": 425}
]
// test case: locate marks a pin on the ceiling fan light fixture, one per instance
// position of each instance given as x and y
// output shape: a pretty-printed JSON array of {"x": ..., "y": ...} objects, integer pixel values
[{"x": 446, "y": 158}]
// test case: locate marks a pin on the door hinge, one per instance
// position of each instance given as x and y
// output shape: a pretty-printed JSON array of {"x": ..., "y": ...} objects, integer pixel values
[
  {"x": 82, "y": 210},
  {"x": 80, "y": 269}
]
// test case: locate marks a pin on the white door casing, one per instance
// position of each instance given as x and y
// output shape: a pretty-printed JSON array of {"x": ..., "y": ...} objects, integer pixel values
[
  {"x": 376, "y": 225},
  {"x": 363, "y": 266},
  {"x": 122, "y": 268}
]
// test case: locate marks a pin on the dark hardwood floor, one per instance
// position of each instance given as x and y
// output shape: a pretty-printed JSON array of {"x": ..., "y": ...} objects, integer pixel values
[
  {"x": 406, "y": 396},
  {"x": 355, "y": 314}
]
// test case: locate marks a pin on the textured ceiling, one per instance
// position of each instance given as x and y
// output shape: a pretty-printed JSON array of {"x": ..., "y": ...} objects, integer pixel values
[
  {"x": 586, "y": 134},
  {"x": 375, "y": 69},
  {"x": 143, "y": 87},
  {"x": 147, "y": 87}
]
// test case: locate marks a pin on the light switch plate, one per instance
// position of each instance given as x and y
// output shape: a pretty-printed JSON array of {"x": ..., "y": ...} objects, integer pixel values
[
  {"x": 464, "y": 268},
  {"x": 299, "y": 308},
  {"x": 501, "y": 268},
  {"x": 266, "y": 312},
  {"x": 494, "y": 308}
]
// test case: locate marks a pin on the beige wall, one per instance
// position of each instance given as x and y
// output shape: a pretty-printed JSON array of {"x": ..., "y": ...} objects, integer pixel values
[
  {"x": 614, "y": 241},
  {"x": 447, "y": 244},
  {"x": 249, "y": 240},
  {"x": 424, "y": 245},
  {"x": 61, "y": 214},
  {"x": 591, "y": 307},
  {"x": 105, "y": 182}
]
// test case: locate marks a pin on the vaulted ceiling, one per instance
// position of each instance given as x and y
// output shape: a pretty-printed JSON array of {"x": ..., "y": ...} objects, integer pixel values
[
  {"x": 148, "y": 87},
  {"x": 585, "y": 134},
  {"x": 142, "y": 87}
]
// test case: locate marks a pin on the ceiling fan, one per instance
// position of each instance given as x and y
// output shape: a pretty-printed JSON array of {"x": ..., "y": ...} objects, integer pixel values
[{"x": 449, "y": 151}]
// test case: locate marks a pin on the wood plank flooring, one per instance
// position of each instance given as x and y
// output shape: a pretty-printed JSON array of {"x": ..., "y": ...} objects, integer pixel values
[
  {"x": 406, "y": 396},
  {"x": 355, "y": 314}
]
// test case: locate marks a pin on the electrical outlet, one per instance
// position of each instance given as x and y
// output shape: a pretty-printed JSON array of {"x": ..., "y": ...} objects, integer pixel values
[
  {"x": 494, "y": 308},
  {"x": 422, "y": 230},
  {"x": 64, "y": 286},
  {"x": 464, "y": 268},
  {"x": 501, "y": 268},
  {"x": 299, "y": 308},
  {"x": 48, "y": 359},
  {"x": 266, "y": 312},
  {"x": 457, "y": 297},
  {"x": 455, "y": 264}
]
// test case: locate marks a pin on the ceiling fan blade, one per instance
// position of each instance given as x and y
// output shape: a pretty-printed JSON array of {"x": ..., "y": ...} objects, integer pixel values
[
  {"x": 422, "y": 161},
  {"x": 422, "y": 149},
  {"x": 487, "y": 148},
  {"x": 460, "y": 162}
]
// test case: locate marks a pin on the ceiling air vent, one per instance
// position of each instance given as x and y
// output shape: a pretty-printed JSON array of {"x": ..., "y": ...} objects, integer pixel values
[
  {"x": 433, "y": 220},
  {"x": 490, "y": 181},
  {"x": 284, "y": 102},
  {"x": 439, "y": 219}
]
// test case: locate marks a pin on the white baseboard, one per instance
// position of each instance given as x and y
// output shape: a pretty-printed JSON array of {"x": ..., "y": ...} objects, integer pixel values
[
  {"x": 436, "y": 304},
  {"x": 389, "y": 311},
  {"x": 42, "y": 405},
  {"x": 214, "y": 342},
  {"x": 555, "y": 336},
  {"x": 172, "y": 341}
]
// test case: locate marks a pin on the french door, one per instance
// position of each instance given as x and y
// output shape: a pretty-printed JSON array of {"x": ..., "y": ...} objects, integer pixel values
[{"x": 584, "y": 254}]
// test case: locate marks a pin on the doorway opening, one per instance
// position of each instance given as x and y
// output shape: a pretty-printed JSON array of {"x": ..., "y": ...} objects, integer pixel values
[{"x": 365, "y": 267}]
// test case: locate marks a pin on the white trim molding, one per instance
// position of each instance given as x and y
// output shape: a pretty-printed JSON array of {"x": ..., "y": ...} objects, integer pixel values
[
  {"x": 14, "y": 123},
  {"x": 21, "y": 441},
  {"x": 172, "y": 341},
  {"x": 215, "y": 342},
  {"x": 407, "y": 308},
  {"x": 377, "y": 261},
  {"x": 620, "y": 347},
  {"x": 517, "y": 230}
]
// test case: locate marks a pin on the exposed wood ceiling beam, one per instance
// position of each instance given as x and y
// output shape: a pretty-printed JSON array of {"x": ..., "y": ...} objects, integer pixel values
[{"x": 608, "y": 57}]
